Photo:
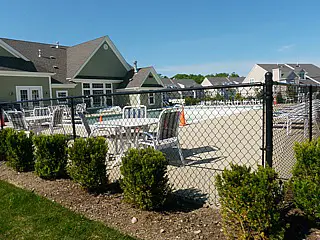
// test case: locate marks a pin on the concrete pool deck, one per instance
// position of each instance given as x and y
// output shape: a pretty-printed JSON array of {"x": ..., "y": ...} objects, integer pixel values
[{"x": 211, "y": 145}]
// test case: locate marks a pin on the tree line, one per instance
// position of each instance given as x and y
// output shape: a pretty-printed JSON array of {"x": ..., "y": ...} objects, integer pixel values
[{"x": 199, "y": 78}]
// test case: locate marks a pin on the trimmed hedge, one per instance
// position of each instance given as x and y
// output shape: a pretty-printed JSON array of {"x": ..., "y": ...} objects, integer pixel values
[
  {"x": 145, "y": 181},
  {"x": 87, "y": 163},
  {"x": 250, "y": 203},
  {"x": 20, "y": 151},
  {"x": 4, "y": 144},
  {"x": 306, "y": 178},
  {"x": 51, "y": 156}
]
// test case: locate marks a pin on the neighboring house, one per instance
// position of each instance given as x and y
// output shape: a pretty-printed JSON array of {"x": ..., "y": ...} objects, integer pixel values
[
  {"x": 287, "y": 73},
  {"x": 31, "y": 70},
  {"x": 221, "y": 81},
  {"x": 188, "y": 83},
  {"x": 303, "y": 74}
]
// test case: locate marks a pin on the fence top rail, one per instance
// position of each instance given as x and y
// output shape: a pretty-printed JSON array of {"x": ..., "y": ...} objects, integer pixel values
[
  {"x": 295, "y": 85},
  {"x": 164, "y": 90}
]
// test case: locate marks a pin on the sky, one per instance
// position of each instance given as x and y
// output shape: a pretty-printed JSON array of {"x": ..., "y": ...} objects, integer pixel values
[{"x": 199, "y": 37}]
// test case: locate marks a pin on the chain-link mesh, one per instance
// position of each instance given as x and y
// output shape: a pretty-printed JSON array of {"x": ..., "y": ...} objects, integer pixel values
[
  {"x": 292, "y": 120},
  {"x": 201, "y": 131}
]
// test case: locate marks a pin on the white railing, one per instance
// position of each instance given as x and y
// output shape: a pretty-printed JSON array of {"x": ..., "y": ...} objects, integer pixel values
[{"x": 232, "y": 102}]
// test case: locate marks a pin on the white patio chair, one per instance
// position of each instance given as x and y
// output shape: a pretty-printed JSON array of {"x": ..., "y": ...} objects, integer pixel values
[
  {"x": 81, "y": 108},
  {"x": 134, "y": 112},
  {"x": 167, "y": 132},
  {"x": 18, "y": 121},
  {"x": 115, "y": 134},
  {"x": 56, "y": 121},
  {"x": 41, "y": 111}
]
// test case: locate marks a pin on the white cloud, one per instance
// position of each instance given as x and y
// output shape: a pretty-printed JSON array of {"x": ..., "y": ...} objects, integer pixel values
[{"x": 285, "y": 47}]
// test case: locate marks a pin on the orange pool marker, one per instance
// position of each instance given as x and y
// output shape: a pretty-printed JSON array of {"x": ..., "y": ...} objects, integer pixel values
[
  {"x": 100, "y": 119},
  {"x": 182, "y": 118}
]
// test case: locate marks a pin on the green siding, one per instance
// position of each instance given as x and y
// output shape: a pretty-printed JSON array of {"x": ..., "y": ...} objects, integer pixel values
[
  {"x": 5, "y": 53},
  {"x": 145, "y": 100},
  {"x": 104, "y": 64},
  {"x": 150, "y": 82},
  {"x": 8, "y": 86}
]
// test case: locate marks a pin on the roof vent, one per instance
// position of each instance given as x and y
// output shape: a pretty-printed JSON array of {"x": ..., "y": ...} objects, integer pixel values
[
  {"x": 39, "y": 53},
  {"x": 52, "y": 57},
  {"x": 55, "y": 67},
  {"x": 135, "y": 66},
  {"x": 57, "y": 44},
  {"x": 297, "y": 65}
]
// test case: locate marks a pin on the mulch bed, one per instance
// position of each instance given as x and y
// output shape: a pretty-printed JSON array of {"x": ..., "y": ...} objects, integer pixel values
[
  {"x": 183, "y": 221},
  {"x": 179, "y": 221}
]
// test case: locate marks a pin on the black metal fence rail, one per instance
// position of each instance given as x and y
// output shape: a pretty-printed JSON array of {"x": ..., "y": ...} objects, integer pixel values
[{"x": 219, "y": 125}]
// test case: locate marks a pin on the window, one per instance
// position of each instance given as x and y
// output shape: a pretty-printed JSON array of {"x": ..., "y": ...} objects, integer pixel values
[
  {"x": 251, "y": 80},
  {"x": 302, "y": 74},
  {"x": 62, "y": 94},
  {"x": 98, "y": 89},
  {"x": 86, "y": 85},
  {"x": 151, "y": 97}
]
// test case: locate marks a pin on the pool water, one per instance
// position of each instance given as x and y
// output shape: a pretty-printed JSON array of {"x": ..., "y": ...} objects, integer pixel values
[{"x": 193, "y": 114}]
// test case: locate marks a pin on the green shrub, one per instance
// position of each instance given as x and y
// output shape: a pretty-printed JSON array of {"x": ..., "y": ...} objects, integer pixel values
[
  {"x": 4, "y": 144},
  {"x": 145, "y": 182},
  {"x": 250, "y": 203},
  {"x": 191, "y": 101},
  {"x": 51, "y": 156},
  {"x": 87, "y": 163},
  {"x": 306, "y": 178},
  {"x": 20, "y": 151}
]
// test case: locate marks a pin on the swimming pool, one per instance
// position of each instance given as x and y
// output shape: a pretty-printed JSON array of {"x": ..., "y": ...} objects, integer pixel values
[{"x": 193, "y": 114}]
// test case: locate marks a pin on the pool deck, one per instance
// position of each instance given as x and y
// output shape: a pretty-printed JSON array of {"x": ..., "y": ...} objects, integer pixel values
[{"x": 210, "y": 145}]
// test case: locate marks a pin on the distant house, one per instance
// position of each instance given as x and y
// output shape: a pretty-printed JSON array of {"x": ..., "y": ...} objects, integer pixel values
[
  {"x": 221, "y": 81},
  {"x": 287, "y": 73},
  {"x": 32, "y": 70},
  {"x": 303, "y": 74},
  {"x": 188, "y": 83}
]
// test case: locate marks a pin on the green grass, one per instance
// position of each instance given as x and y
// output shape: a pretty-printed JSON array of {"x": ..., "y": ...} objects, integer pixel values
[{"x": 25, "y": 215}]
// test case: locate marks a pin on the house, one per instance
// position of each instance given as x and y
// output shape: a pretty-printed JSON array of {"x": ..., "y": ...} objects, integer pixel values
[
  {"x": 188, "y": 83},
  {"x": 303, "y": 74},
  {"x": 286, "y": 73},
  {"x": 220, "y": 81},
  {"x": 32, "y": 70}
]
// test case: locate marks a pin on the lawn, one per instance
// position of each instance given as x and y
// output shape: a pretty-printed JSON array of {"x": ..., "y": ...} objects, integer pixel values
[{"x": 25, "y": 215}]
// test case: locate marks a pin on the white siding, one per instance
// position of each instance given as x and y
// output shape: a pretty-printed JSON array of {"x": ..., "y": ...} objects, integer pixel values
[
  {"x": 206, "y": 83},
  {"x": 257, "y": 73}
]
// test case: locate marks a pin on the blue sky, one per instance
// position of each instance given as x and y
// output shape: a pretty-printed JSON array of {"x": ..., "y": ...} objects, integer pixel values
[{"x": 176, "y": 36}]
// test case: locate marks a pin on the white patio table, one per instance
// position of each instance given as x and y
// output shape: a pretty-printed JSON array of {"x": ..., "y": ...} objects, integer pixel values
[
  {"x": 129, "y": 124},
  {"x": 37, "y": 120}
]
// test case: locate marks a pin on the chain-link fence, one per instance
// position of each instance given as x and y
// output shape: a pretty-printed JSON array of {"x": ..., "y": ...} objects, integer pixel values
[
  {"x": 295, "y": 119},
  {"x": 201, "y": 130}
]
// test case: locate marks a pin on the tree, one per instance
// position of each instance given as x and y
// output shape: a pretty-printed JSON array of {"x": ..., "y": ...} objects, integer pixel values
[{"x": 199, "y": 78}]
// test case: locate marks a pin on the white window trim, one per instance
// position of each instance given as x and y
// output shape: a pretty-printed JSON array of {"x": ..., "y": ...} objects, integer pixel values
[
  {"x": 18, "y": 88},
  {"x": 104, "y": 89},
  {"x": 251, "y": 80},
  {"x": 62, "y": 91},
  {"x": 154, "y": 98}
]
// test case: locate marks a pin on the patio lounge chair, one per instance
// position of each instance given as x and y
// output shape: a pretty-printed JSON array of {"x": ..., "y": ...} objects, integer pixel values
[
  {"x": 167, "y": 132},
  {"x": 115, "y": 134},
  {"x": 56, "y": 121},
  {"x": 134, "y": 112},
  {"x": 18, "y": 121}
]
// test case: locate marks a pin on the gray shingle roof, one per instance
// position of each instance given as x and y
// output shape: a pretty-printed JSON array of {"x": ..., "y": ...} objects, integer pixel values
[
  {"x": 78, "y": 54},
  {"x": 188, "y": 83},
  {"x": 168, "y": 83},
  {"x": 236, "y": 80},
  {"x": 215, "y": 81},
  {"x": 42, "y": 64},
  {"x": 312, "y": 70},
  {"x": 136, "y": 80}
]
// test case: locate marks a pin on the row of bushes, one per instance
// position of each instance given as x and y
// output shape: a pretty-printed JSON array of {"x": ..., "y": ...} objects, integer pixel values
[
  {"x": 251, "y": 201},
  {"x": 144, "y": 179}
]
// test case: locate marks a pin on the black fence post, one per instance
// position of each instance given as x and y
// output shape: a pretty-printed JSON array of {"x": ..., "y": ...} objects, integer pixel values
[
  {"x": 72, "y": 119},
  {"x": 310, "y": 113},
  {"x": 1, "y": 117},
  {"x": 269, "y": 117}
]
